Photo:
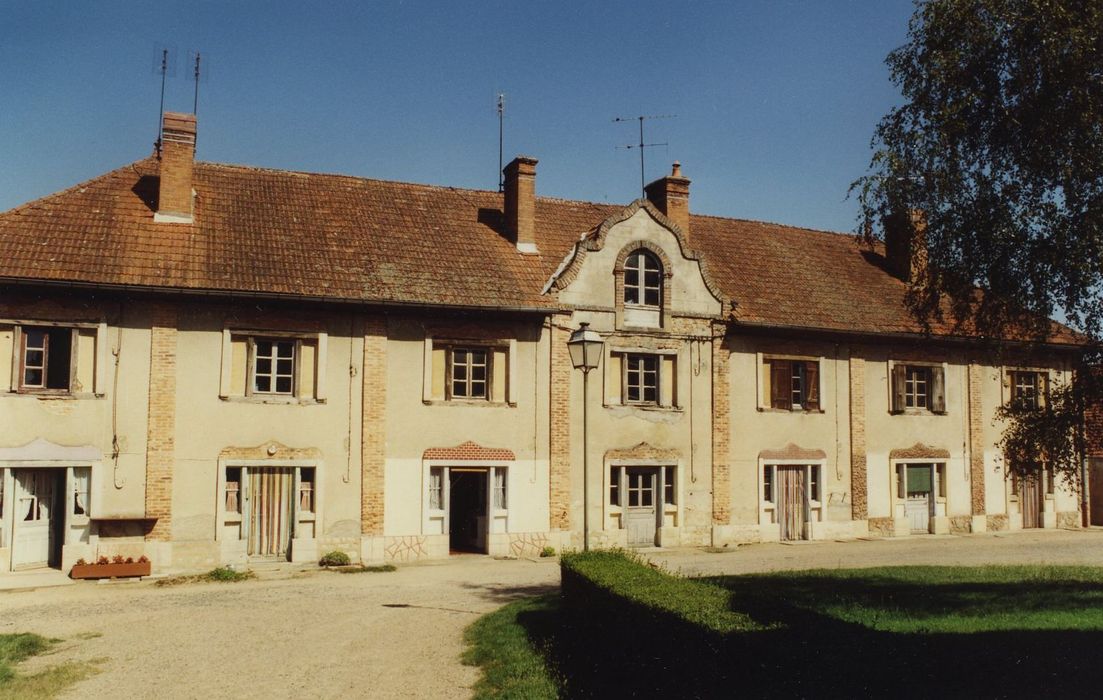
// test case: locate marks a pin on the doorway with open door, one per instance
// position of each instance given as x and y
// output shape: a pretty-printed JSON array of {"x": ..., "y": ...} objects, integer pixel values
[
  {"x": 38, "y": 518},
  {"x": 467, "y": 510}
]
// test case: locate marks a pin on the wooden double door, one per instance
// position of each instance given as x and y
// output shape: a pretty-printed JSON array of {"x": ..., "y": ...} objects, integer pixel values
[{"x": 1031, "y": 497}]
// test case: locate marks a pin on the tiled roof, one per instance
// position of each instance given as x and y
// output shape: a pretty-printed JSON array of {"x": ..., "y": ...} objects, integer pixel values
[{"x": 260, "y": 231}]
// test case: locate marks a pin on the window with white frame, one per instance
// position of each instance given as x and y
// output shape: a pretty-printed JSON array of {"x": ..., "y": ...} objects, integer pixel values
[
  {"x": 643, "y": 279},
  {"x": 273, "y": 366},
  {"x": 46, "y": 358},
  {"x": 641, "y": 378},
  {"x": 499, "y": 489},
  {"x": 1028, "y": 389},
  {"x": 436, "y": 488},
  {"x": 307, "y": 492},
  {"x": 233, "y": 490},
  {"x": 82, "y": 485},
  {"x": 806, "y": 479},
  {"x": 794, "y": 384},
  {"x": 469, "y": 373},
  {"x": 918, "y": 388}
]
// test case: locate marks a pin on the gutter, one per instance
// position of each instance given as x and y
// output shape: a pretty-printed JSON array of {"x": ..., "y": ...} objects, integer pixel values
[{"x": 273, "y": 296}]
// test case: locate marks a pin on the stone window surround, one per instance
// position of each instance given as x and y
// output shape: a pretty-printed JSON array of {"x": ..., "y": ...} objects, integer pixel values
[
  {"x": 762, "y": 360},
  {"x": 321, "y": 340},
  {"x": 618, "y": 282},
  {"x": 674, "y": 510},
  {"x": 222, "y": 517},
  {"x": 99, "y": 372},
  {"x": 428, "y": 515},
  {"x": 890, "y": 364},
  {"x": 640, "y": 346},
  {"x": 491, "y": 343},
  {"x": 814, "y": 509},
  {"x": 1006, "y": 378}
]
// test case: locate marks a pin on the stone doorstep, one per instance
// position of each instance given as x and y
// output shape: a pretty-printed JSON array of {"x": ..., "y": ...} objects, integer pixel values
[{"x": 30, "y": 580}]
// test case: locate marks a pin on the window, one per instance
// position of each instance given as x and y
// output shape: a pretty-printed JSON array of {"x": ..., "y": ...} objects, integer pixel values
[
  {"x": 1027, "y": 389},
  {"x": 918, "y": 388},
  {"x": 641, "y": 488},
  {"x": 643, "y": 284},
  {"x": 668, "y": 486},
  {"x": 233, "y": 489},
  {"x": 814, "y": 483},
  {"x": 915, "y": 480},
  {"x": 614, "y": 486},
  {"x": 46, "y": 359},
  {"x": 306, "y": 489},
  {"x": 436, "y": 488},
  {"x": 768, "y": 483},
  {"x": 468, "y": 370},
  {"x": 274, "y": 366},
  {"x": 794, "y": 384},
  {"x": 641, "y": 379},
  {"x": 82, "y": 478},
  {"x": 499, "y": 498}
]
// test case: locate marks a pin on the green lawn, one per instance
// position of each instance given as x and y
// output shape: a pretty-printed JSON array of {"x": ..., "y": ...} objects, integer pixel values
[
  {"x": 900, "y": 631},
  {"x": 44, "y": 684}
]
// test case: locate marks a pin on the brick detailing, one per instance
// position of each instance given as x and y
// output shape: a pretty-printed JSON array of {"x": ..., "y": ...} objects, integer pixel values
[
  {"x": 643, "y": 451},
  {"x": 177, "y": 162},
  {"x": 976, "y": 438},
  {"x": 161, "y": 425},
  {"x": 469, "y": 451},
  {"x": 859, "y": 505},
  {"x": 882, "y": 527},
  {"x": 793, "y": 451},
  {"x": 920, "y": 451},
  {"x": 373, "y": 437},
  {"x": 559, "y": 484},
  {"x": 721, "y": 428}
]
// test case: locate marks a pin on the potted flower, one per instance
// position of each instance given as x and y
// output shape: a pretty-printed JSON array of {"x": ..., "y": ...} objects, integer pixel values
[{"x": 116, "y": 567}]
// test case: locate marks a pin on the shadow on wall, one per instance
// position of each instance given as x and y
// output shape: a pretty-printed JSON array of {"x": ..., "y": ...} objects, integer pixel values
[{"x": 609, "y": 646}]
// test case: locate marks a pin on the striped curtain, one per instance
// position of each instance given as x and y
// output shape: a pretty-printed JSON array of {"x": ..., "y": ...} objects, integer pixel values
[
  {"x": 270, "y": 511},
  {"x": 791, "y": 505}
]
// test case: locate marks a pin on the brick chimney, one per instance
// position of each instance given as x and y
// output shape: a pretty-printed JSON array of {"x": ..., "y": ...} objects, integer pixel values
[
  {"x": 174, "y": 202},
  {"x": 671, "y": 195},
  {"x": 520, "y": 204},
  {"x": 906, "y": 244}
]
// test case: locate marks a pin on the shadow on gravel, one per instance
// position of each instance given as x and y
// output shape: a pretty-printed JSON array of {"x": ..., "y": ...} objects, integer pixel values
[
  {"x": 617, "y": 648},
  {"x": 507, "y": 594}
]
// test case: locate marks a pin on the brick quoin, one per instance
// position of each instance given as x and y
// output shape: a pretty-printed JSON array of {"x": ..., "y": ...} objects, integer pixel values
[
  {"x": 559, "y": 482},
  {"x": 859, "y": 509},
  {"x": 374, "y": 439},
  {"x": 976, "y": 438},
  {"x": 161, "y": 426},
  {"x": 721, "y": 429}
]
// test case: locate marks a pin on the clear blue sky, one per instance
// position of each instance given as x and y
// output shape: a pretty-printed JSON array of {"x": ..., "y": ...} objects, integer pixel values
[{"x": 776, "y": 101}]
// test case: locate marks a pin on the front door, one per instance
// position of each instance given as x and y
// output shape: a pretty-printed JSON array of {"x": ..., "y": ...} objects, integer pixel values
[
  {"x": 270, "y": 512},
  {"x": 38, "y": 518},
  {"x": 1030, "y": 501},
  {"x": 791, "y": 495},
  {"x": 467, "y": 511},
  {"x": 641, "y": 516},
  {"x": 918, "y": 505}
]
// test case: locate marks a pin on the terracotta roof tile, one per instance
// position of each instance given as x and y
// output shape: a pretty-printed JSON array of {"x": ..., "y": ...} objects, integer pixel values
[{"x": 361, "y": 240}]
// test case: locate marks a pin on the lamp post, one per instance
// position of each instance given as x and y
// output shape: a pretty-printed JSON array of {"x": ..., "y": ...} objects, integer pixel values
[{"x": 585, "y": 347}]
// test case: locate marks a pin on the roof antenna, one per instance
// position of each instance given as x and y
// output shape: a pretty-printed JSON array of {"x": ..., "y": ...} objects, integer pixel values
[
  {"x": 195, "y": 103},
  {"x": 501, "y": 119},
  {"x": 641, "y": 145},
  {"x": 161, "y": 116}
]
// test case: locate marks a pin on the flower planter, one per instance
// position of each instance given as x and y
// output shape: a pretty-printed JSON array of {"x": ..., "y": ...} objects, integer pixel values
[{"x": 138, "y": 568}]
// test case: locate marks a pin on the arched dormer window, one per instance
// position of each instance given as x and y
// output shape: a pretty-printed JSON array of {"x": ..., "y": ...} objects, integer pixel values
[{"x": 643, "y": 279}]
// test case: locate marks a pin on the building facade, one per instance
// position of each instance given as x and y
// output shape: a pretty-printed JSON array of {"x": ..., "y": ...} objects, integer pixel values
[{"x": 215, "y": 364}]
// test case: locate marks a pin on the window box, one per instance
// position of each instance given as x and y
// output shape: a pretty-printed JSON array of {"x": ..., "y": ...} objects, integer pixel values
[{"x": 111, "y": 570}]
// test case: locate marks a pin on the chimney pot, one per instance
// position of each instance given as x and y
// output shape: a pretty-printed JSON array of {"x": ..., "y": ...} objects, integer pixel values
[
  {"x": 174, "y": 201},
  {"x": 670, "y": 195},
  {"x": 520, "y": 202}
]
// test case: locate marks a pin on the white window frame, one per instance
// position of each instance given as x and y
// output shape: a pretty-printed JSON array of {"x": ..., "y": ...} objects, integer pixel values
[
  {"x": 320, "y": 340},
  {"x": 642, "y": 288},
  {"x": 429, "y": 515}
]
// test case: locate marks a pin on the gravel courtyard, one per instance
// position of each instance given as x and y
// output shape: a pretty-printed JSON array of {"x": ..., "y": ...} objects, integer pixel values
[{"x": 399, "y": 634}]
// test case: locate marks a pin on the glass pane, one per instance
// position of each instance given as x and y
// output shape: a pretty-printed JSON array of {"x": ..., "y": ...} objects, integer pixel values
[
  {"x": 286, "y": 349},
  {"x": 647, "y": 496},
  {"x": 478, "y": 389},
  {"x": 459, "y": 371},
  {"x": 32, "y": 377},
  {"x": 651, "y": 278},
  {"x": 478, "y": 373},
  {"x": 283, "y": 385},
  {"x": 283, "y": 366},
  {"x": 459, "y": 389},
  {"x": 34, "y": 358},
  {"x": 264, "y": 384},
  {"x": 264, "y": 366},
  {"x": 651, "y": 297},
  {"x": 264, "y": 347}
]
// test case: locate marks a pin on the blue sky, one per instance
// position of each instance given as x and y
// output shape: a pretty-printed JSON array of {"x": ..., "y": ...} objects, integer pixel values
[{"x": 775, "y": 101}]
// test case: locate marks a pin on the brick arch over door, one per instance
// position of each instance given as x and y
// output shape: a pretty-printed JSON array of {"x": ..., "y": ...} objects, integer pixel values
[{"x": 470, "y": 451}]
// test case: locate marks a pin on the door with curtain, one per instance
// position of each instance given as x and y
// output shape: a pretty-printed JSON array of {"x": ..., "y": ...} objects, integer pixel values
[
  {"x": 791, "y": 506},
  {"x": 270, "y": 511}
]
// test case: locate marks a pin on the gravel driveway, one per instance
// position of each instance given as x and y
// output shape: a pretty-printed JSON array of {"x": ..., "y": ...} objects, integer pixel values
[{"x": 323, "y": 634}]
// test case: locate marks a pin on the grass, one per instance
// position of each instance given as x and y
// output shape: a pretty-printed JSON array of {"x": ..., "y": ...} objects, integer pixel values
[
  {"x": 44, "y": 684},
  {"x": 499, "y": 643},
  {"x": 377, "y": 569},
  {"x": 622, "y": 627},
  {"x": 222, "y": 574}
]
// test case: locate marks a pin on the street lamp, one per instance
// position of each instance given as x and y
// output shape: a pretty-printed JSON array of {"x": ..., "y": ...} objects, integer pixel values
[{"x": 585, "y": 347}]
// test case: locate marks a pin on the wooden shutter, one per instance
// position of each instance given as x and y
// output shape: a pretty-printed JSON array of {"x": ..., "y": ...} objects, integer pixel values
[
  {"x": 898, "y": 376},
  {"x": 1043, "y": 389},
  {"x": 938, "y": 390},
  {"x": 812, "y": 386},
  {"x": 781, "y": 384}
]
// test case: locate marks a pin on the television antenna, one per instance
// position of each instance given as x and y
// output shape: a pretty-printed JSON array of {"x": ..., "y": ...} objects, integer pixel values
[
  {"x": 501, "y": 121},
  {"x": 195, "y": 102},
  {"x": 642, "y": 145}
]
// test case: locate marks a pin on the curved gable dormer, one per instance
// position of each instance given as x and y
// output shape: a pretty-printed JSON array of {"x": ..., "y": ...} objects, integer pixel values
[{"x": 603, "y": 272}]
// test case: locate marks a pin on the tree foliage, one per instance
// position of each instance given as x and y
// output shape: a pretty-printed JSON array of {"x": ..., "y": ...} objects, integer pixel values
[{"x": 999, "y": 140}]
